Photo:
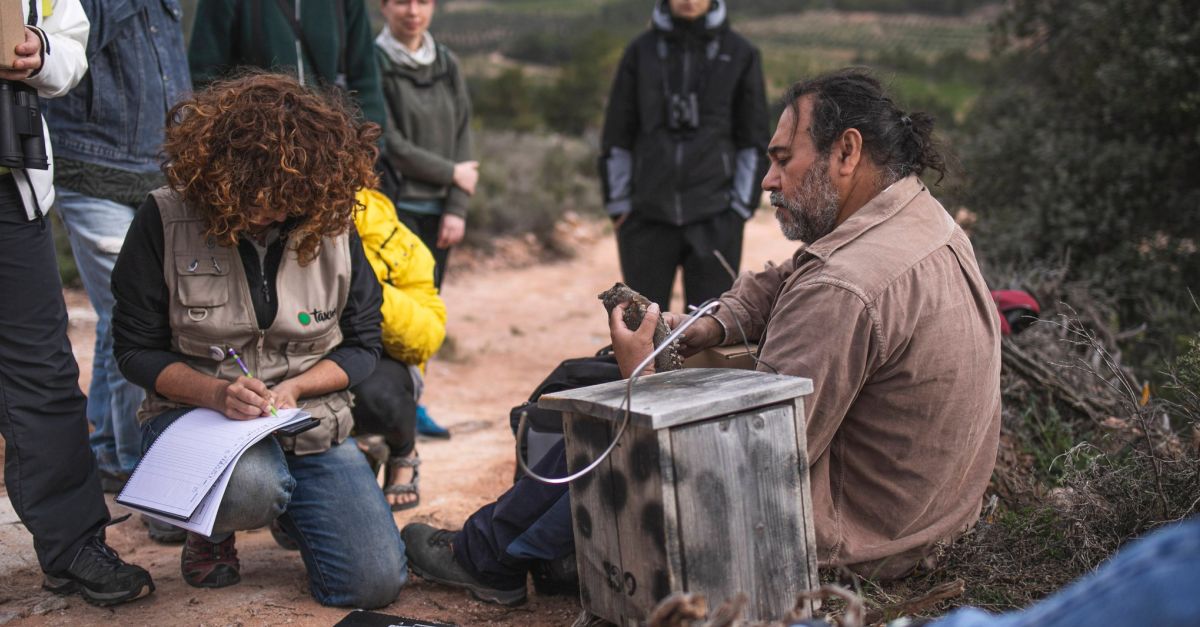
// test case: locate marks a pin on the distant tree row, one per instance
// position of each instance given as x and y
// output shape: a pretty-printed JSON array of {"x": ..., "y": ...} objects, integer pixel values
[{"x": 571, "y": 103}]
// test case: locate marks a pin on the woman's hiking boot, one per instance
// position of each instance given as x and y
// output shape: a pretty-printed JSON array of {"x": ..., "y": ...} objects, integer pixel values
[
  {"x": 431, "y": 556},
  {"x": 207, "y": 564},
  {"x": 100, "y": 576}
]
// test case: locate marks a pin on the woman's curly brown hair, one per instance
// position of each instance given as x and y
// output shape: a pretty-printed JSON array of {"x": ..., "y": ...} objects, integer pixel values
[{"x": 262, "y": 141}]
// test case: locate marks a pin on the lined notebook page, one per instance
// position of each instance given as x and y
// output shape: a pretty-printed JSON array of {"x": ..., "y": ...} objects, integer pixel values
[
  {"x": 205, "y": 517},
  {"x": 185, "y": 462}
]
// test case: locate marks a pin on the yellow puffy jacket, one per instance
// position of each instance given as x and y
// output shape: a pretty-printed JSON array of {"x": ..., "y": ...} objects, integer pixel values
[{"x": 414, "y": 316}]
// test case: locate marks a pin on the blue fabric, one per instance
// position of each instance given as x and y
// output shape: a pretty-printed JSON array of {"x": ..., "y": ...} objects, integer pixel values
[
  {"x": 427, "y": 426},
  {"x": 329, "y": 504},
  {"x": 549, "y": 537},
  {"x": 1151, "y": 582},
  {"x": 96, "y": 229},
  {"x": 497, "y": 542},
  {"x": 137, "y": 70}
]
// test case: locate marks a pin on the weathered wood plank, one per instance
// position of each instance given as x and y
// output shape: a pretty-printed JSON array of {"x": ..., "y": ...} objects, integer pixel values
[
  {"x": 680, "y": 397},
  {"x": 641, "y": 521},
  {"x": 597, "y": 542},
  {"x": 741, "y": 510},
  {"x": 671, "y": 527},
  {"x": 809, "y": 579}
]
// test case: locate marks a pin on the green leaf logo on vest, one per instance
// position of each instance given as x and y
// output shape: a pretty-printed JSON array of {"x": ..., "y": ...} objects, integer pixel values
[{"x": 316, "y": 315}]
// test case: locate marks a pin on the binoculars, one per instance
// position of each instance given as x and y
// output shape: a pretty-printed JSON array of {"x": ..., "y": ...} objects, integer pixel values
[
  {"x": 683, "y": 112},
  {"x": 22, "y": 143}
]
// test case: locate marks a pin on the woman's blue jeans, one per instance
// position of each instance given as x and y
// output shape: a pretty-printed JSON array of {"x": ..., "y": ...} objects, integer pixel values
[{"x": 329, "y": 504}]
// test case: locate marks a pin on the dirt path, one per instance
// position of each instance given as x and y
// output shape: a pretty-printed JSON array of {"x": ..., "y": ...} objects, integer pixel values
[{"x": 508, "y": 328}]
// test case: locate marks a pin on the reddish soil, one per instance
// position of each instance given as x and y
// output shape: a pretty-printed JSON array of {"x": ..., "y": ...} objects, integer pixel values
[{"x": 511, "y": 321}]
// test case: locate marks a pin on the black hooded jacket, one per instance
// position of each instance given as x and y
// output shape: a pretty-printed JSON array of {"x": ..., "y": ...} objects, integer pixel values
[{"x": 706, "y": 158}]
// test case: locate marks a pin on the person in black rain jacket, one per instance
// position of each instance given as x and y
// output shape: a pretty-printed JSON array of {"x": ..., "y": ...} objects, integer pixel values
[{"x": 684, "y": 150}]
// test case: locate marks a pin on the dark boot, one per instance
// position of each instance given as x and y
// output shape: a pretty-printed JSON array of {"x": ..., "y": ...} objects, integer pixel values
[
  {"x": 431, "y": 557},
  {"x": 100, "y": 576},
  {"x": 207, "y": 564}
]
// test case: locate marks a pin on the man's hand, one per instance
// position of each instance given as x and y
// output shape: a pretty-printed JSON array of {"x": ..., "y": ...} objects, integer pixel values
[
  {"x": 631, "y": 347},
  {"x": 451, "y": 231},
  {"x": 29, "y": 57},
  {"x": 245, "y": 399},
  {"x": 466, "y": 176},
  {"x": 704, "y": 333},
  {"x": 286, "y": 394}
]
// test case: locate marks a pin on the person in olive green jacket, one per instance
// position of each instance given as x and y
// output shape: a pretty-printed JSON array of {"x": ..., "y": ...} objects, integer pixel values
[
  {"x": 428, "y": 136},
  {"x": 332, "y": 47}
]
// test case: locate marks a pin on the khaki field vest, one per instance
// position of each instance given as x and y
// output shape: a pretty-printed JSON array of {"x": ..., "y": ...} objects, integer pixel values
[{"x": 211, "y": 306}]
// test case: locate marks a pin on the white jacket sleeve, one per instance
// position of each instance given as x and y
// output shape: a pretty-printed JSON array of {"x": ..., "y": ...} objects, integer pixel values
[{"x": 64, "y": 61}]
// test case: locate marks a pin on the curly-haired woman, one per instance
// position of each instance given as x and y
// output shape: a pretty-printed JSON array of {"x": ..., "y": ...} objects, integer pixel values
[{"x": 251, "y": 246}]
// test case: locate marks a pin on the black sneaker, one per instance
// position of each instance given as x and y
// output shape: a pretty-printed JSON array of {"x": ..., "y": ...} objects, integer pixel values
[
  {"x": 100, "y": 576},
  {"x": 431, "y": 557}
]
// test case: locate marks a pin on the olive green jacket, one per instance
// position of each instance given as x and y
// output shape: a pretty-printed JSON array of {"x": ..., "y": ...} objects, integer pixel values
[{"x": 429, "y": 127}]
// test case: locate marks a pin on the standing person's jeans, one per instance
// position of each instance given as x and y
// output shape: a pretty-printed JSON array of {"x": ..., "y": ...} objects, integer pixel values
[
  {"x": 48, "y": 469},
  {"x": 1154, "y": 581},
  {"x": 96, "y": 228},
  {"x": 328, "y": 503}
]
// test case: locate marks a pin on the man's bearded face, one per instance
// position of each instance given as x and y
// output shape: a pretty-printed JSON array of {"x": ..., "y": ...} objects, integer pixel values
[{"x": 810, "y": 213}]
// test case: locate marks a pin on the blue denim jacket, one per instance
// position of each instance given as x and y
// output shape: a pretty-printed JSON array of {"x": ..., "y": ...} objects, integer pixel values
[{"x": 138, "y": 69}]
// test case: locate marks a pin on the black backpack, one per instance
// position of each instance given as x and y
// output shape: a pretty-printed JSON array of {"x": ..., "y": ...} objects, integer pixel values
[{"x": 568, "y": 375}]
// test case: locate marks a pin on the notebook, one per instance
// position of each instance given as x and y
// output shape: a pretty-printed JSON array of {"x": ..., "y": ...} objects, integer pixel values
[{"x": 182, "y": 478}]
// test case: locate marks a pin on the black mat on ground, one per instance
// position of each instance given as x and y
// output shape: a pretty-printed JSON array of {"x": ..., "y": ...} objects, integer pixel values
[{"x": 375, "y": 619}]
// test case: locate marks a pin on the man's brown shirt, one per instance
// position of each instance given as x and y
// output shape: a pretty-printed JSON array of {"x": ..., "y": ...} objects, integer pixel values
[{"x": 891, "y": 319}]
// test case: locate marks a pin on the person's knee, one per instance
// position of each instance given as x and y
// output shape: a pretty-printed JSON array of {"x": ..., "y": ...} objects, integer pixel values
[
  {"x": 260, "y": 489},
  {"x": 372, "y": 583}
]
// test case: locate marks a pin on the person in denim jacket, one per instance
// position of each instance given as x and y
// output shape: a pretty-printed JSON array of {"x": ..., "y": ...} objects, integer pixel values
[{"x": 106, "y": 140}]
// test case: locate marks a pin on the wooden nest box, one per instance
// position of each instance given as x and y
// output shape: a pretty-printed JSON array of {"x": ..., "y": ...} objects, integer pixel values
[{"x": 706, "y": 492}]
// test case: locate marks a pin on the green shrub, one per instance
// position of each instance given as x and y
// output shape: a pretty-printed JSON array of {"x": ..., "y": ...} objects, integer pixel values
[
  {"x": 527, "y": 182},
  {"x": 1086, "y": 151}
]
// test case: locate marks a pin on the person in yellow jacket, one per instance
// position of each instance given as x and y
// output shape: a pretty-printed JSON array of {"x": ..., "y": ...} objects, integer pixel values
[{"x": 414, "y": 325}]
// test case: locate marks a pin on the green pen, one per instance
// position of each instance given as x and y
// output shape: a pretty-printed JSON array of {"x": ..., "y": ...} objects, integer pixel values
[{"x": 246, "y": 371}]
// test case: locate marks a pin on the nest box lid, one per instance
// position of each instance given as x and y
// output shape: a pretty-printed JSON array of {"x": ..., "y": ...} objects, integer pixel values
[{"x": 681, "y": 396}]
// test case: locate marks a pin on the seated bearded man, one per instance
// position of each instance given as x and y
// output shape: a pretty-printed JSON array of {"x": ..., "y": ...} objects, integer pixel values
[
  {"x": 886, "y": 311},
  {"x": 884, "y": 308}
]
